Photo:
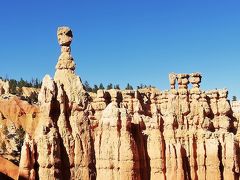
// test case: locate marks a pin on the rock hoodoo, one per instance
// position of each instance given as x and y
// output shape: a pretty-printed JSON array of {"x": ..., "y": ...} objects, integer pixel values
[
  {"x": 65, "y": 68},
  {"x": 63, "y": 143},
  {"x": 181, "y": 133}
]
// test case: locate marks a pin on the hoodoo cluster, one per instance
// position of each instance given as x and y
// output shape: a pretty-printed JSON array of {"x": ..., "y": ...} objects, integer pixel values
[{"x": 181, "y": 133}]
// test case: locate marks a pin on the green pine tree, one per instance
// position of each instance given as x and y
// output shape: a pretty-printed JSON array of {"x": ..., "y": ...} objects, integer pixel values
[
  {"x": 87, "y": 87},
  {"x": 95, "y": 88},
  {"x": 129, "y": 87},
  {"x": 109, "y": 86},
  {"x": 101, "y": 86},
  {"x": 234, "y": 98},
  {"x": 117, "y": 86}
]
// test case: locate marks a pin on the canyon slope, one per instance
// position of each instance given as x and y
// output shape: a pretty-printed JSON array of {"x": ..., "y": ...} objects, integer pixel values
[{"x": 180, "y": 133}]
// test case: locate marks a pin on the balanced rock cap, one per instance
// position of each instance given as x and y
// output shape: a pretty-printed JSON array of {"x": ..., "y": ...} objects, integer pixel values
[{"x": 64, "y": 35}]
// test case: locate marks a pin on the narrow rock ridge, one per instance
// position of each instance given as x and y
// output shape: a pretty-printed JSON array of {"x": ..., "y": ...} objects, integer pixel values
[{"x": 181, "y": 133}]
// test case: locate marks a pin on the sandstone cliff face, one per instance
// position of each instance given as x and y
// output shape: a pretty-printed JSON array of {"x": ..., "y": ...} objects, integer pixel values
[
  {"x": 120, "y": 158},
  {"x": 177, "y": 134},
  {"x": 16, "y": 117},
  {"x": 142, "y": 134},
  {"x": 8, "y": 169},
  {"x": 20, "y": 112}
]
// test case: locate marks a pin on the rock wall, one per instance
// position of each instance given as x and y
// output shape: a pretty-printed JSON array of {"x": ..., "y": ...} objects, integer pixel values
[
  {"x": 181, "y": 133},
  {"x": 177, "y": 134}
]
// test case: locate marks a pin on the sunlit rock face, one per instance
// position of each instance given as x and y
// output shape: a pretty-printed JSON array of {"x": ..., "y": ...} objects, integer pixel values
[
  {"x": 63, "y": 140},
  {"x": 4, "y": 87},
  {"x": 66, "y": 108},
  {"x": 181, "y": 133},
  {"x": 65, "y": 75}
]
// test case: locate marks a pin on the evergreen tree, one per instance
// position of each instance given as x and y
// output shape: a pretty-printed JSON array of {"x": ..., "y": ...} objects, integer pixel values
[
  {"x": 234, "y": 98},
  {"x": 129, "y": 87},
  {"x": 142, "y": 86},
  {"x": 87, "y": 87},
  {"x": 101, "y": 86},
  {"x": 13, "y": 86},
  {"x": 95, "y": 88},
  {"x": 37, "y": 83},
  {"x": 117, "y": 86},
  {"x": 109, "y": 86},
  {"x": 21, "y": 83}
]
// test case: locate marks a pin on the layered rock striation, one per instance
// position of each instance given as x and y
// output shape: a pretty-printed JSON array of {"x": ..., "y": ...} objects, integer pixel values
[
  {"x": 181, "y": 133},
  {"x": 63, "y": 143}
]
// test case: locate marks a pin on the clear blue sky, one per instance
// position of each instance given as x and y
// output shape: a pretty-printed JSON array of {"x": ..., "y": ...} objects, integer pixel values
[{"x": 121, "y": 41}]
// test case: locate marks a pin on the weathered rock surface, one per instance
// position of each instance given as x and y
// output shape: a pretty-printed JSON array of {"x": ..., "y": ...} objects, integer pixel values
[
  {"x": 4, "y": 87},
  {"x": 8, "y": 168},
  {"x": 30, "y": 93},
  {"x": 143, "y": 134},
  {"x": 26, "y": 166},
  {"x": 20, "y": 112}
]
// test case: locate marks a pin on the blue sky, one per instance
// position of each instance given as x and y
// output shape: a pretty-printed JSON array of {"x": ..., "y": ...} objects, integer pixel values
[{"x": 135, "y": 41}]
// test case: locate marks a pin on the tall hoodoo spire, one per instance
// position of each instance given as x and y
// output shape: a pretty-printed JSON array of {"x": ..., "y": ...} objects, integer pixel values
[
  {"x": 65, "y": 68},
  {"x": 65, "y": 60}
]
